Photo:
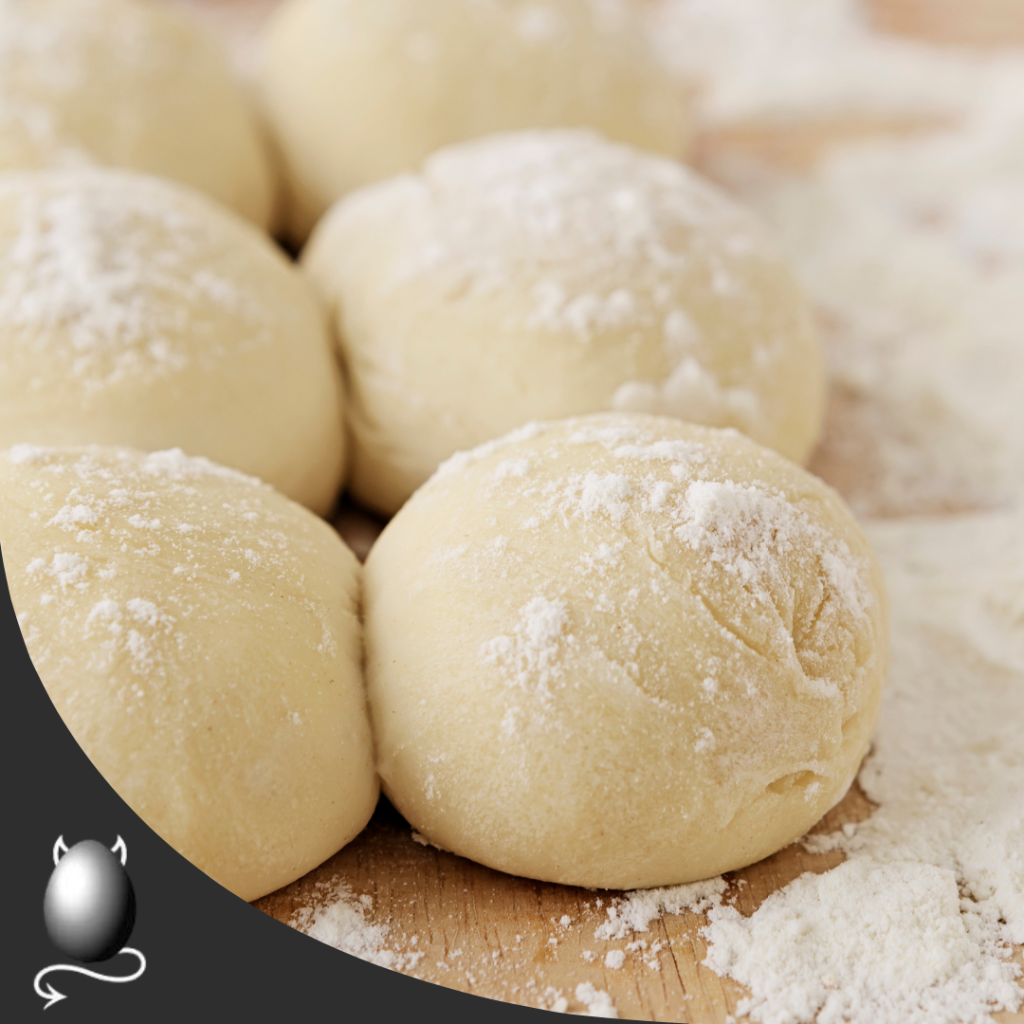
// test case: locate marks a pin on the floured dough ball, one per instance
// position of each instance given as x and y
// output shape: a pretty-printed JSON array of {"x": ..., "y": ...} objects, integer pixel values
[
  {"x": 129, "y": 84},
  {"x": 134, "y": 311},
  {"x": 542, "y": 275},
  {"x": 357, "y": 90},
  {"x": 621, "y": 651},
  {"x": 199, "y": 635}
]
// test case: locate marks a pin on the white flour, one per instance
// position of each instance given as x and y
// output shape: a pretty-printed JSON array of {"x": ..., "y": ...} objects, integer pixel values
[
  {"x": 597, "y": 1002},
  {"x": 635, "y": 911},
  {"x": 340, "y": 920},
  {"x": 810, "y": 60},
  {"x": 865, "y": 942},
  {"x": 533, "y": 653}
]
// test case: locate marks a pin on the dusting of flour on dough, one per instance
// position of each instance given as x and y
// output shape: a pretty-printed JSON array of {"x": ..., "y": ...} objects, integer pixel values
[
  {"x": 533, "y": 652},
  {"x": 745, "y": 529},
  {"x": 94, "y": 500},
  {"x": 101, "y": 267},
  {"x": 691, "y": 392}
]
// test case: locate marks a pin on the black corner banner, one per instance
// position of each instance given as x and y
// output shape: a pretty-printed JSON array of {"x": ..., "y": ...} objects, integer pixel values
[{"x": 195, "y": 951}]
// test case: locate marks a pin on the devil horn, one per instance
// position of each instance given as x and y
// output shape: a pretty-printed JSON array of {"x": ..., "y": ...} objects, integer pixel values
[
  {"x": 59, "y": 849},
  {"x": 119, "y": 845}
]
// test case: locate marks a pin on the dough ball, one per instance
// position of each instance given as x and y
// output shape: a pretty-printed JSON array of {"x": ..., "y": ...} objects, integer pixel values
[
  {"x": 128, "y": 84},
  {"x": 134, "y": 311},
  {"x": 199, "y": 635},
  {"x": 543, "y": 275},
  {"x": 621, "y": 651},
  {"x": 357, "y": 90}
]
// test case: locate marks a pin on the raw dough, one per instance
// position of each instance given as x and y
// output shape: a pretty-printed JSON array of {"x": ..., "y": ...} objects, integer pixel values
[
  {"x": 621, "y": 651},
  {"x": 130, "y": 84},
  {"x": 357, "y": 90},
  {"x": 135, "y": 311},
  {"x": 199, "y": 634},
  {"x": 545, "y": 274}
]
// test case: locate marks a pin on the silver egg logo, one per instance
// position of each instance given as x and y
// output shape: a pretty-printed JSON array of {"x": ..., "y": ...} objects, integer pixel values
[{"x": 89, "y": 910}]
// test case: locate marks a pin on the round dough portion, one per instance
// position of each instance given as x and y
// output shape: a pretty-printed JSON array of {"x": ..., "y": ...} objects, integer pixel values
[
  {"x": 540, "y": 275},
  {"x": 621, "y": 651},
  {"x": 128, "y": 84},
  {"x": 199, "y": 635},
  {"x": 357, "y": 90},
  {"x": 134, "y": 311}
]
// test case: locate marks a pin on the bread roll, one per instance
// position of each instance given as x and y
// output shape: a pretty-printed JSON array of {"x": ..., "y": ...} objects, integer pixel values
[{"x": 621, "y": 651}]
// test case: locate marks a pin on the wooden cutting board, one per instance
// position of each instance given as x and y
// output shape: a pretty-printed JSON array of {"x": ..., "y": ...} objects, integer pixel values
[{"x": 495, "y": 935}]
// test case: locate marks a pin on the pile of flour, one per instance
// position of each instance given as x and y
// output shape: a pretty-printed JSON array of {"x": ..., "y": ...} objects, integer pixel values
[{"x": 339, "y": 918}]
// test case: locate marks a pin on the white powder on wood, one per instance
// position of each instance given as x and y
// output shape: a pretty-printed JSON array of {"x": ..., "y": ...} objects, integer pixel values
[
  {"x": 871, "y": 943},
  {"x": 597, "y": 1002},
  {"x": 766, "y": 61},
  {"x": 341, "y": 921},
  {"x": 635, "y": 911},
  {"x": 614, "y": 959}
]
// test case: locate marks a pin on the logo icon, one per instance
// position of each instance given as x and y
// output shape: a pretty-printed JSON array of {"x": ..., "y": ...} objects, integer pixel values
[{"x": 89, "y": 911}]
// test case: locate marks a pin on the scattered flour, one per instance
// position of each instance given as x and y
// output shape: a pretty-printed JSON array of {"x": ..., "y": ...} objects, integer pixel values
[
  {"x": 745, "y": 530},
  {"x": 614, "y": 959},
  {"x": 341, "y": 921},
  {"x": 635, "y": 911},
  {"x": 766, "y": 61},
  {"x": 597, "y": 1002},
  {"x": 602, "y": 493},
  {"x": 924, "y": 359}
]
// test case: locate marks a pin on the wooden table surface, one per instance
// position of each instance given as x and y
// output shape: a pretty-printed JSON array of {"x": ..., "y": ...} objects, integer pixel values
[{"x": 495, "y": 935}]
